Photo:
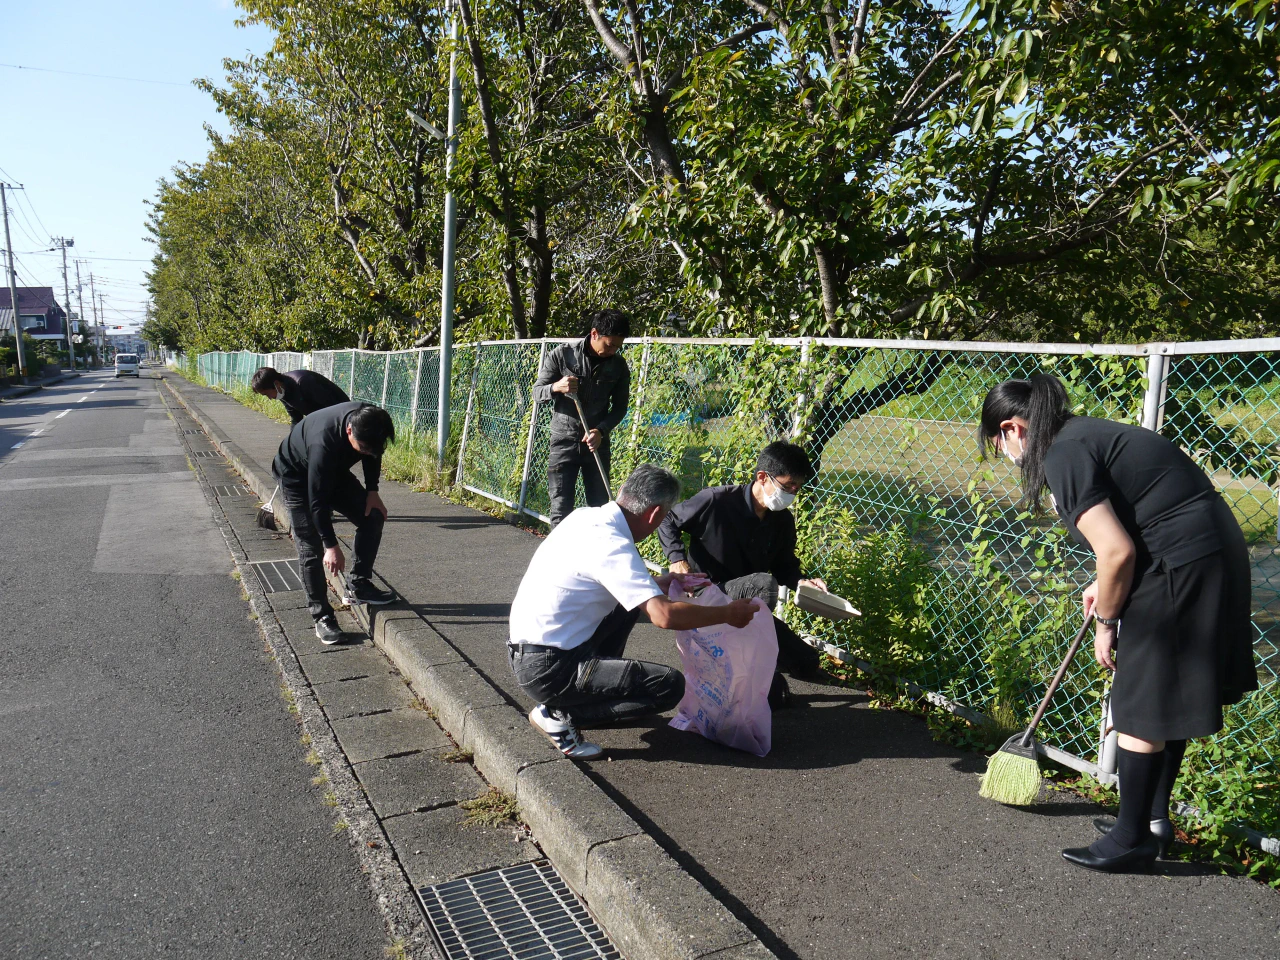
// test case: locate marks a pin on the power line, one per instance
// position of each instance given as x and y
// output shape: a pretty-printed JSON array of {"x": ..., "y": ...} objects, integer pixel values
[
  {"x": 26, "y": 198},
  {"x": 97, "y": 76}
]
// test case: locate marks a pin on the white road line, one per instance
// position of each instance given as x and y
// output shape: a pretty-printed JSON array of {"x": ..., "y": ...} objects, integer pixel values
[
  {"x": 38, "y": 432},
  {"x": 17, "y": 445},
  {"x": 82, "y": 399},
  {"x": 63, "y": 414}
]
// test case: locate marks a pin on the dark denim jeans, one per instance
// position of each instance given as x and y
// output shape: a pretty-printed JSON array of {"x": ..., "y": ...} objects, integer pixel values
[
  {"x": 592, "y": 682},
  {"x": 567, "y": 458},
  {"x": 349, "y": 500}
]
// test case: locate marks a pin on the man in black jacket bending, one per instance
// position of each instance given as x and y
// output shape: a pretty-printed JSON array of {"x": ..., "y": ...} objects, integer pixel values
[
  {"x": 593, "y": 370},
  {"x": 313, "y": 467},
  {"x": 301, "y": 391},
  {"x": 744, "y": 538}
]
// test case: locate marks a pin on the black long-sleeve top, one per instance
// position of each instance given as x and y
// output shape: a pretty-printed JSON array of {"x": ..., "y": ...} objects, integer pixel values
[
  {"x": 604, "y": 386},
  {"x": 306, "y": 391},
  {"x": 728, "y": 540},
  {"x": 313, "y": 456}
]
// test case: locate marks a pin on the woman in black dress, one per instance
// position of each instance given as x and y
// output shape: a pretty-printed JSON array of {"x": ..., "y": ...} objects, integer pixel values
[{"x": 1172, "y": 593}]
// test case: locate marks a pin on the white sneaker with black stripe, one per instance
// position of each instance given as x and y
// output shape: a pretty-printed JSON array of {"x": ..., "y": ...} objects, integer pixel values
[{"x": 559, "y": 729}]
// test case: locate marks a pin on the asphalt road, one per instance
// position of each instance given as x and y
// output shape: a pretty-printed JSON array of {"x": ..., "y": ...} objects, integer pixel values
[{"x": 154, "y": 791}]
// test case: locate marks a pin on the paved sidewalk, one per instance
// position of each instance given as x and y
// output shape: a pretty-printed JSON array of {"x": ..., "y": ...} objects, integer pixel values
[
  {"x": 13, "y": 393},
  {"x": 858, "y": 835}
]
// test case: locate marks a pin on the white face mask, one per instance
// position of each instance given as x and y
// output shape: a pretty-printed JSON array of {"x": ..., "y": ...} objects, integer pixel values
[
  {"x": 1016, "y": 461},
  {"x": 779, "y": 499}
]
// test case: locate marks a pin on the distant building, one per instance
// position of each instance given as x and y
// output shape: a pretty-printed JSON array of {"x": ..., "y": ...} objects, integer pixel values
[
  {"x": 127, "y": 343},
  {"x": 39, "y": 314}
]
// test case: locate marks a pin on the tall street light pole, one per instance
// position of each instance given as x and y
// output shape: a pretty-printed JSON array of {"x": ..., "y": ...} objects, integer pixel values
[
  {"x": 63, "y": 242},
  {"x": 450, "y": 244},
  {"x": 13, "y": 284},
  {"x": 450, "y": 237}
]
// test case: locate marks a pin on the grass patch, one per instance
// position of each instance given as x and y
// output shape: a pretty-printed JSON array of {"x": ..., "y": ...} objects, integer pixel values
[
  {"x": 457, "y": 756},
  {"x": 492, "y": 808}
]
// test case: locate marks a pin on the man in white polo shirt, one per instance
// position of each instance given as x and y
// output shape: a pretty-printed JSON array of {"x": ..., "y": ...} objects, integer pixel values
[{"x": 579, "y": 599}]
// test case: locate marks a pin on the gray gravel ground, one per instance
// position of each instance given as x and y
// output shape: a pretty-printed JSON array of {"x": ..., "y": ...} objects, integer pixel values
[
  {"x": 858, "y": 835},
  {"x": 154, "y": 791}
]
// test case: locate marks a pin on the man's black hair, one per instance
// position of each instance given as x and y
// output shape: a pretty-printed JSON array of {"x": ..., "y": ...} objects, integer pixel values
[
  {"x": 782, "y": 459},
  {"x": 609, "y": 323},
  {"x": 372, "y": 428},
  {"x": 264, "y": 378}
]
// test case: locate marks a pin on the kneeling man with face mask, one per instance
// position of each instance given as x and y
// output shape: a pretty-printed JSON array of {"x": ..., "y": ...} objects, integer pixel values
[{"x": 744, "y": 538}]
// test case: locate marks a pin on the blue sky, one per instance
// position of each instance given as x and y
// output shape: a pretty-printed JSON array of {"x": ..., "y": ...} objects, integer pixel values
[{"x": 90, "y": 150}]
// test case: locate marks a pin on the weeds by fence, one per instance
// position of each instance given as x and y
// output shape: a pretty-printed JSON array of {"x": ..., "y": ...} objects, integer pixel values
[{"x": 962, "y": 594}]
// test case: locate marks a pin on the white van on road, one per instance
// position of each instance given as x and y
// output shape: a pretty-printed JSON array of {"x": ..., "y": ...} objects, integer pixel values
[{"x": 127, "y": 365}]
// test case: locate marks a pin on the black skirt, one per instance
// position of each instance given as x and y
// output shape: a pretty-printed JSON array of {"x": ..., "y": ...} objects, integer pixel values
[{"x": 1184, "y": 649}]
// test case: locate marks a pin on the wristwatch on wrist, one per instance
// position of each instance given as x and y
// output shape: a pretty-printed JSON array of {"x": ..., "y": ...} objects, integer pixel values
[{"x": 1107, "y": 621}]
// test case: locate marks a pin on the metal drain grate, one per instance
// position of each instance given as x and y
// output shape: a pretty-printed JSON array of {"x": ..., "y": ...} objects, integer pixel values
[
  {"x": 523, "y": 912},
  {"x": 206, "y": 453},
  {"x": 278, "y": 576},
  {"x": 190, "y": 432},
  {"x": 231, "y": 490}
]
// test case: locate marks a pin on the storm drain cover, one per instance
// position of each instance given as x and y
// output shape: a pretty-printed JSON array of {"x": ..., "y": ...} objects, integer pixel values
[
  {"x": 206, "y": 453},
  {"x": 278, "y": 576},
  {"x": 190, "y": 432},
  {"x": 523, "y": 912},
  {"x": 231, "y": 490}
]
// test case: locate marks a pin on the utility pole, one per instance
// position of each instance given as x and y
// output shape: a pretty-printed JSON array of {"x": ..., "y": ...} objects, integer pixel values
[
  {"x": 80, "y": 298},
  {"x": 102, "y": 312},
  {"x": 93, "y": 303},
  {"x": 13, "y": 284},
  {"x": 63, "y": 242},
  {"x": 450, "y": 245}
]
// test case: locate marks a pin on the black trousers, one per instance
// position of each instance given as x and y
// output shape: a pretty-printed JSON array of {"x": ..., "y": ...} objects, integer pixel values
[
  {"x": 592, "y": 682},
  {"x": 348, "y": 499},
  {"x": 569, "y": 457},
  {"x": 794, "y": 655}
]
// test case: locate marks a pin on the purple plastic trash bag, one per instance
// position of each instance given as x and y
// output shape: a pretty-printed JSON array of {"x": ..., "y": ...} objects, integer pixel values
[{"x": 727, "y": 673}]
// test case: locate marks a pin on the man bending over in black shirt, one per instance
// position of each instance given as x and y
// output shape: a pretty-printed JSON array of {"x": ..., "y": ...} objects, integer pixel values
[
  {"x": 744, "y": 538},
  {"x": 313, "y": 466},
  {"x": 301, "y": 391}
]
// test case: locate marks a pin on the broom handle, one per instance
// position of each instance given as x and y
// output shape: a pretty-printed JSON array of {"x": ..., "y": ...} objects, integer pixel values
[
  {"x": 595, "y": 453},
  {"x": 1057, "y": 679}
]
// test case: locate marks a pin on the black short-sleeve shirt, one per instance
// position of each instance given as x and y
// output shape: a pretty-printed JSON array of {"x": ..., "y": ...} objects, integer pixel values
[{"x": 1158, "y": 493}]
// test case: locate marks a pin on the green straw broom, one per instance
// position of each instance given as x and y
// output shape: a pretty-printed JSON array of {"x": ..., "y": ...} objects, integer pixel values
[{"x": 1013, "y": 773}]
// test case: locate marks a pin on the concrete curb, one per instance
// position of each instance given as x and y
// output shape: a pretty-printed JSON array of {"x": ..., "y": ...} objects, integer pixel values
[
  {"x": 649, "y": 904},
  {"x": 400, "y": 911}
]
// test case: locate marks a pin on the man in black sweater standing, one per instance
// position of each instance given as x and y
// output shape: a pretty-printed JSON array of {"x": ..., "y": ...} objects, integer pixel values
[
  {"x": 592, "y": 369},
  {"x": 301, "y": 391},
  {"x": 744, "y": 538},
  {"x": 313, "y": 467}
]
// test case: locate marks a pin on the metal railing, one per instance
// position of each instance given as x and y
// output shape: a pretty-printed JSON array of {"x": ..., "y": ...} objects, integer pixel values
[{"x": 966, "y": 598}]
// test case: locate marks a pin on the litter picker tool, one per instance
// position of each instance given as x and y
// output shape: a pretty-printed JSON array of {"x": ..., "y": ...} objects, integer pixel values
[
  {"x": 1013, "y": 773},
  {"x": 266, "y": 516},
  {"x": 595, "y": 453}
]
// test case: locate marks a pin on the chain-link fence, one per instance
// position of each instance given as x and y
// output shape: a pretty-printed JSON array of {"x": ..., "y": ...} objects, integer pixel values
[{"x": 962, "y": 593}]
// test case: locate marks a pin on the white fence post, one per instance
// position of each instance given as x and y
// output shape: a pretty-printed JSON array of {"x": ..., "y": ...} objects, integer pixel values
[
  {"x": 466, "y": 419},
  {"x": 413, "y": 403},
  {"x": 533, "y": 429},
  {"x": 1153, "y": 401},
  {"x": 644, "y": 376},
  {"x": 806, "y": 348},
  {"x": 386, "y": 370},
  {"x": 353, "y": 373}
]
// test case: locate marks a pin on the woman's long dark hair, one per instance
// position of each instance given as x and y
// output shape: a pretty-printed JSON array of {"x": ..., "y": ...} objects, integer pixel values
[{"x": 1042, "y": 402}]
